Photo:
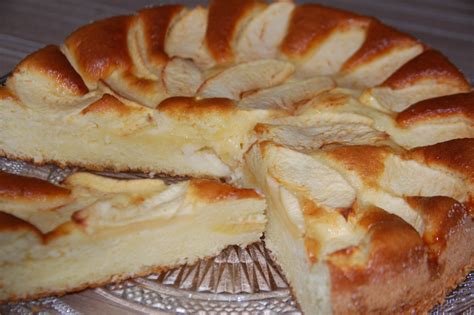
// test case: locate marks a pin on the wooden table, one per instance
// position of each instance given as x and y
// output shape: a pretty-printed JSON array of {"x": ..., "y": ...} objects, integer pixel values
[{"x": 26, "y": 25}]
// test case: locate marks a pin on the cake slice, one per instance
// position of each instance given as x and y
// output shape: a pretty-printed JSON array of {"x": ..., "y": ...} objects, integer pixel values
[
  {"x": 127, "y": 228},
  {"x": 343, "y": 254}
]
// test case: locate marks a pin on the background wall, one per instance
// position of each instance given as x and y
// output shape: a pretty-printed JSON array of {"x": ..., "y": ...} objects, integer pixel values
[{"x": 26, "y": 25}]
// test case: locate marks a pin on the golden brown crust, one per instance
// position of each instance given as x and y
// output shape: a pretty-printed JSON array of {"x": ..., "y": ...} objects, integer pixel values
[
  {"x": 51, "y": 62},
  {"x": 453, "y": 264},
  {"x": 439, "y": 107},
  {"x": 416, "y": 287},
  {"x": 380, "y": 39},
  {"x": 355, "y": 158},
  {"x": 432, "y": 65},
  {"x": 384, "y": 247},
  {"x": 212, "y": 191},
  {"x": 190, "y": 106},
  {"x": 6, "y": 93},
  {"x": 107, "y": 104},
  {"x": 223, "y": 18},
  {"x": 452, "y": 256},
  {"x": 101, "y": 47},
  {"x": 456, "y": 155},
  {"x": 396, "y": 255},
  {"x": 441, "y": 216},
  {"x": 21, "y": 187},
  {"x": 144, "y": 85},
  {"x": 392, "y": 241},
  {"x": 311, "y": 24},
  {"x": 155, "y": 23}
]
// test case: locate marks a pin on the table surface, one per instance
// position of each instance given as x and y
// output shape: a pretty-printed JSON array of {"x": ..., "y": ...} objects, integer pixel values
[{"x": 26, "y": 25}]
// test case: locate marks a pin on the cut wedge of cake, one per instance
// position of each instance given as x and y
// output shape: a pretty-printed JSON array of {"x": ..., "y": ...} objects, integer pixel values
[
  {"x": 94, "y": 230},
  {"x": 339, "y": 246}
]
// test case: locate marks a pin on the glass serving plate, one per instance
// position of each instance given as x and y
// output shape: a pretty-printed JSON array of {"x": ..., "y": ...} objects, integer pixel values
[{"x": 237, "y": 281}]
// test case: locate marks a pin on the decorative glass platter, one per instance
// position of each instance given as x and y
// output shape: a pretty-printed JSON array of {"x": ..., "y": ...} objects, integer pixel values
[{"x": 238, "y": 281}]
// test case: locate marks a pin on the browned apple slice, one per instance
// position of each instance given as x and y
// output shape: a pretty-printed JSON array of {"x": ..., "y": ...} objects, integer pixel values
[
  {"x": 321, "y": 39},
  {"x": 263, "y": 34},
  {"x": 428, "y": 75},
  {"x": 186, "y": 38},
  {"x": 100, "y": 53},
  {"x": 382, "y": 53},
  {"x": 435, "y": 120},
  {"x": 456, "y": 157},
  {"x": 149, "y": 30},
  {"x": 46, "y": 82},
  {"x": 226, "y": 19}
]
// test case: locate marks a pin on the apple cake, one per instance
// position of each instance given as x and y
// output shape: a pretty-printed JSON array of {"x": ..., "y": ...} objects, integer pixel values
[
  {"x": 360, "y": 136},
  {"x": 92, "y": 230}
]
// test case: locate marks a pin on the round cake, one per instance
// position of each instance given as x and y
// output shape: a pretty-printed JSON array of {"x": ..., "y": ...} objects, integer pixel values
[{"x": 360, "y": 137}]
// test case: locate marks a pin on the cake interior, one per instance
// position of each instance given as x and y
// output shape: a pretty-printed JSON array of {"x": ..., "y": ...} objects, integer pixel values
[{"x": 110, "y": 240}]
